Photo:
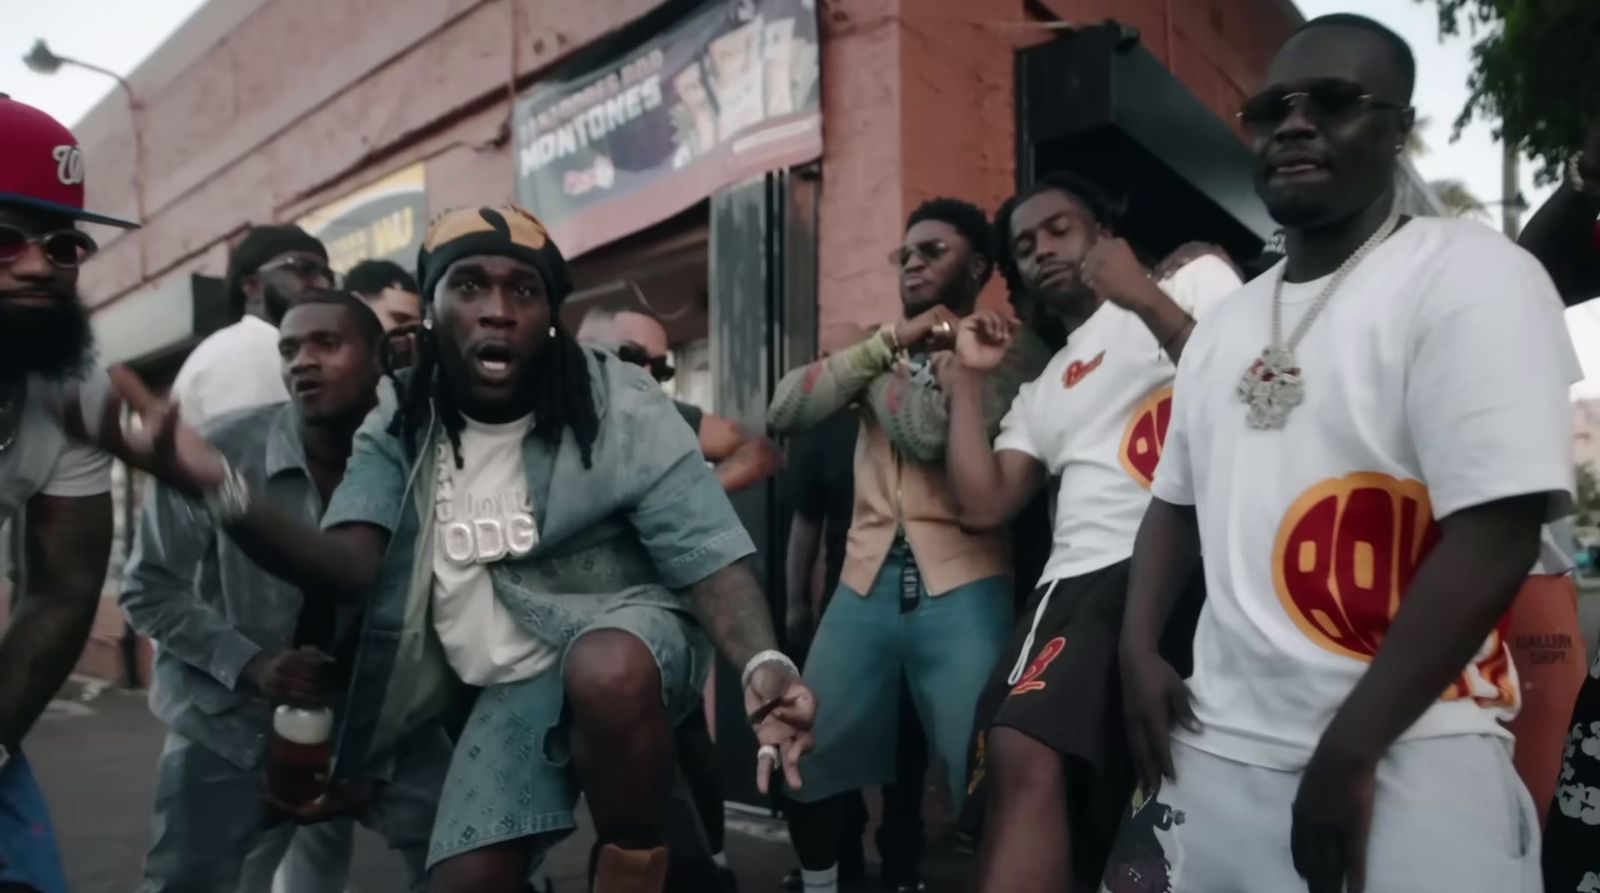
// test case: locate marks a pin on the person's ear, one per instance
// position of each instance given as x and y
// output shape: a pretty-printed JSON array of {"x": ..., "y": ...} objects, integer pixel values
[
  {"x": 976, "y": 264},
  {"x": 1408, "y": 122}
]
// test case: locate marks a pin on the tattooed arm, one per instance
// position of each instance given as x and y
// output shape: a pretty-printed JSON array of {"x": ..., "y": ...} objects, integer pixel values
[
  {"x": 807, "y": 396},
  {"x": 67, "y": 544},
  {"x": 917, "y": 416},
  {"x": 733, "y": 610}
]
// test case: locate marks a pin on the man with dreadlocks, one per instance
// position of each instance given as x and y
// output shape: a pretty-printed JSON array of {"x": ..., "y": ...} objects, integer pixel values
[{"x": 575, "y": 556}]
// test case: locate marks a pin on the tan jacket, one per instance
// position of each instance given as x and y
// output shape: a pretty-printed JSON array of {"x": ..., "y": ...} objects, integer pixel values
[{"x": 899, "y": 465}]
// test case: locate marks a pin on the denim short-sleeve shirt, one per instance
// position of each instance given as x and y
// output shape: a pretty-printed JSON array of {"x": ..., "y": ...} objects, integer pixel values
[{"x": 645, "y": 519}]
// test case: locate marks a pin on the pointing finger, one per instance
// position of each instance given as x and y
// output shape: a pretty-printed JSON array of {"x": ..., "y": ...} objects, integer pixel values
[{"x": 766, "y": 758}]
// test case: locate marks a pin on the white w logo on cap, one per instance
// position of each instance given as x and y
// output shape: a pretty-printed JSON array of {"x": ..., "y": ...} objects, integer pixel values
[{"x": 69, "y": 165}]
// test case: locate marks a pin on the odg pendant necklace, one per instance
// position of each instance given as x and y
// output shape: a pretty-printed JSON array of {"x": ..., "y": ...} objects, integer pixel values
[{"x": 1273, "y": 385}]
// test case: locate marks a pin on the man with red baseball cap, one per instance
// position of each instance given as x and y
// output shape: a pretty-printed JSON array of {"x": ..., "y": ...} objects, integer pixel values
[{"x": 50, "y": 399}]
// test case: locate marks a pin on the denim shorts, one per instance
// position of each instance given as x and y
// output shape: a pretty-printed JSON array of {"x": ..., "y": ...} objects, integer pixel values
[
  {"x": 942, "y": 647},
  {"x": 511, "y": 774},
  {"x": 28, "y": 854}
]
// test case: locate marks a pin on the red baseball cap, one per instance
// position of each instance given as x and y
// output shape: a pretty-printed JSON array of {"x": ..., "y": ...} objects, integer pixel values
[{"x": 41, "y": 164}]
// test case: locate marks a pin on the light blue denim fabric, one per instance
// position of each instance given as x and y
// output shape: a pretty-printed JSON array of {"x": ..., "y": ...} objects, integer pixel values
[
  {"x": 945, "y": 648},
  {"x": 207, "y": 606},
  {"x": 645, "y": 521}
]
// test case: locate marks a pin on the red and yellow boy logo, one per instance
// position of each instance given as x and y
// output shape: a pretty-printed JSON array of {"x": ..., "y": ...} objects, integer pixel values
[
  {"x": 1144, "y": 436},
  {"x": 1345, "y": 556}
]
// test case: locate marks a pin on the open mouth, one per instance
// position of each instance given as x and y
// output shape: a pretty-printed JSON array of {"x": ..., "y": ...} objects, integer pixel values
[
  {"x": 493, "y": 362},
  {"x": 306, "y": 387}
]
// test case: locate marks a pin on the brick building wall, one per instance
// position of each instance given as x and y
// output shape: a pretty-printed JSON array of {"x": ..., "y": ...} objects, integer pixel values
[{"x": 259, "y": 110}]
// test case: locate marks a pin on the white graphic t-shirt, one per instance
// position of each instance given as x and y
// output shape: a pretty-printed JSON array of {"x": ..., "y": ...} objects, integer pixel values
[
  {"x": 1096, "y": 418},
  {"x": 1436, "y": 379},
  {"x": 483, "y": 514}
]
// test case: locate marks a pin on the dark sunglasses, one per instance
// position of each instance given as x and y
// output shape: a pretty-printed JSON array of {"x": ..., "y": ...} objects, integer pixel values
[
  {"x": 1324, "y": 102},
  {"x": 659, "y": 368},
  {"x": 66, "y": 249},
  {"x": 302, "y": 267},
  {"x": 929, "y": 250}
]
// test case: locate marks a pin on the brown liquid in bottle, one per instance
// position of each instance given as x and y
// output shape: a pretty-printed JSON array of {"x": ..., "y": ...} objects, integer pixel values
[{"x": 300, "y": 754}]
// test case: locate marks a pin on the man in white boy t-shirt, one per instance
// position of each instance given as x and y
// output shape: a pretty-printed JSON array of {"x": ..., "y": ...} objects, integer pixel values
[
  {"x": 1052, "y": 755},
  {"x": 1364, "y": 443}
]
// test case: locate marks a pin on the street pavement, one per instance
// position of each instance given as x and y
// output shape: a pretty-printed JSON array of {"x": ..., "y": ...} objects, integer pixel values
[{"x": 95, "y": 754}]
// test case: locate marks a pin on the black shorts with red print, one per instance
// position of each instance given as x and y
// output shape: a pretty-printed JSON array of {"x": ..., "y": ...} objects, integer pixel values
[{"x": 1068, "y": 696}]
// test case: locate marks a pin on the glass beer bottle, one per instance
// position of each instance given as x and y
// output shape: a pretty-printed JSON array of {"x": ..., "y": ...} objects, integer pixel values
[{"x": 300, "y": 754}]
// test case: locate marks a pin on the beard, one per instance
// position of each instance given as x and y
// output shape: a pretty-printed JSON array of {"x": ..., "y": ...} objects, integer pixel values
[
  {"x": 915, "y": 309},
  {"x": 1046, "y": 311},
  {"x": 952, "y": 296},
  {"x": 1296, "y": 211},
  {"x": 54, "y": 342},
  {"x": 274, "y": 302}
]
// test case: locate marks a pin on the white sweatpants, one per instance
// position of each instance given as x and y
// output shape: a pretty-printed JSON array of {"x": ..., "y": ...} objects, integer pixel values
[{"x": 1450, "y": 816}]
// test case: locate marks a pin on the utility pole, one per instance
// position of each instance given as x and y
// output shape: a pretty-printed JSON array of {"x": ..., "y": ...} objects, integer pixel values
[{"x": 1510, "y": 167}]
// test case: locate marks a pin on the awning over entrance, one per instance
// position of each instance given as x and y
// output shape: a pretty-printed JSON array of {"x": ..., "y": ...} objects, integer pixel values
[
  {"x": 1097, "y": 103},
  {"x": 161, "y": 323}
]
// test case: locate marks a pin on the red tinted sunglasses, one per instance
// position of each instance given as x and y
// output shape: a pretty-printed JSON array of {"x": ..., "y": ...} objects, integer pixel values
[{"x": 66, "y": 249}]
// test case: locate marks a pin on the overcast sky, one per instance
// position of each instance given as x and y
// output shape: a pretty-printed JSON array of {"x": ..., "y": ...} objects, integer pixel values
[{"x": 118, "y": 34}]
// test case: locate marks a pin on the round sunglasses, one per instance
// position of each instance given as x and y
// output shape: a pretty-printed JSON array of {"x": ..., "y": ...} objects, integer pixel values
[{"x": 66, "y": 249}]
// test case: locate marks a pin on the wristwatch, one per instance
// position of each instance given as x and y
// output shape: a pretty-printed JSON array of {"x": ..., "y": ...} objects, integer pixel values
[{"x": 229, "y": 500}]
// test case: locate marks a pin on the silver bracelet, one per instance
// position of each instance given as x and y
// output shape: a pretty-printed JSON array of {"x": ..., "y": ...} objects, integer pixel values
[
  {"x": 765, "y": 657},
  {"x": 229, "y": 500}
]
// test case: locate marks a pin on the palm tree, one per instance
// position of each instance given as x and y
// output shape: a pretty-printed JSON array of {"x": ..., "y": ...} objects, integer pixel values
[{"x": 1457, "y": 199}]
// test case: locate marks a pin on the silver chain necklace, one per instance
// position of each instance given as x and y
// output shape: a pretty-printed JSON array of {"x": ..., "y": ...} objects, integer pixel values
[{"x": 1273, "y": 385}]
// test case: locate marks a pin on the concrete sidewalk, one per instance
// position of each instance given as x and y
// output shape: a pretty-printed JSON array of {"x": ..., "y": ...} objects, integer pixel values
[{"x": 95, "y": 753}]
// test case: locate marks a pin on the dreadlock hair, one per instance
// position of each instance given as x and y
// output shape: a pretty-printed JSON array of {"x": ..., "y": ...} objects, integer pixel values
[
  {"x": 563, "y": 396},
  {"x": 1102, "y": 209}
]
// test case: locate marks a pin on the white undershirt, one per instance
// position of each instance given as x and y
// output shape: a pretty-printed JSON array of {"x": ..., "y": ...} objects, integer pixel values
[{"x": 483, "y": 514}]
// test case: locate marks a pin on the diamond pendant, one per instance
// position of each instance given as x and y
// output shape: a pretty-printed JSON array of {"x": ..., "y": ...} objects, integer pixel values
[{"x": 1272, "y": 386}]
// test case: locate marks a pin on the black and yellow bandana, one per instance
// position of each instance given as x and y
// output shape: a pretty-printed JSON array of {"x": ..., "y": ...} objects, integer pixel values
[{"x": 502, "y": 231}]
